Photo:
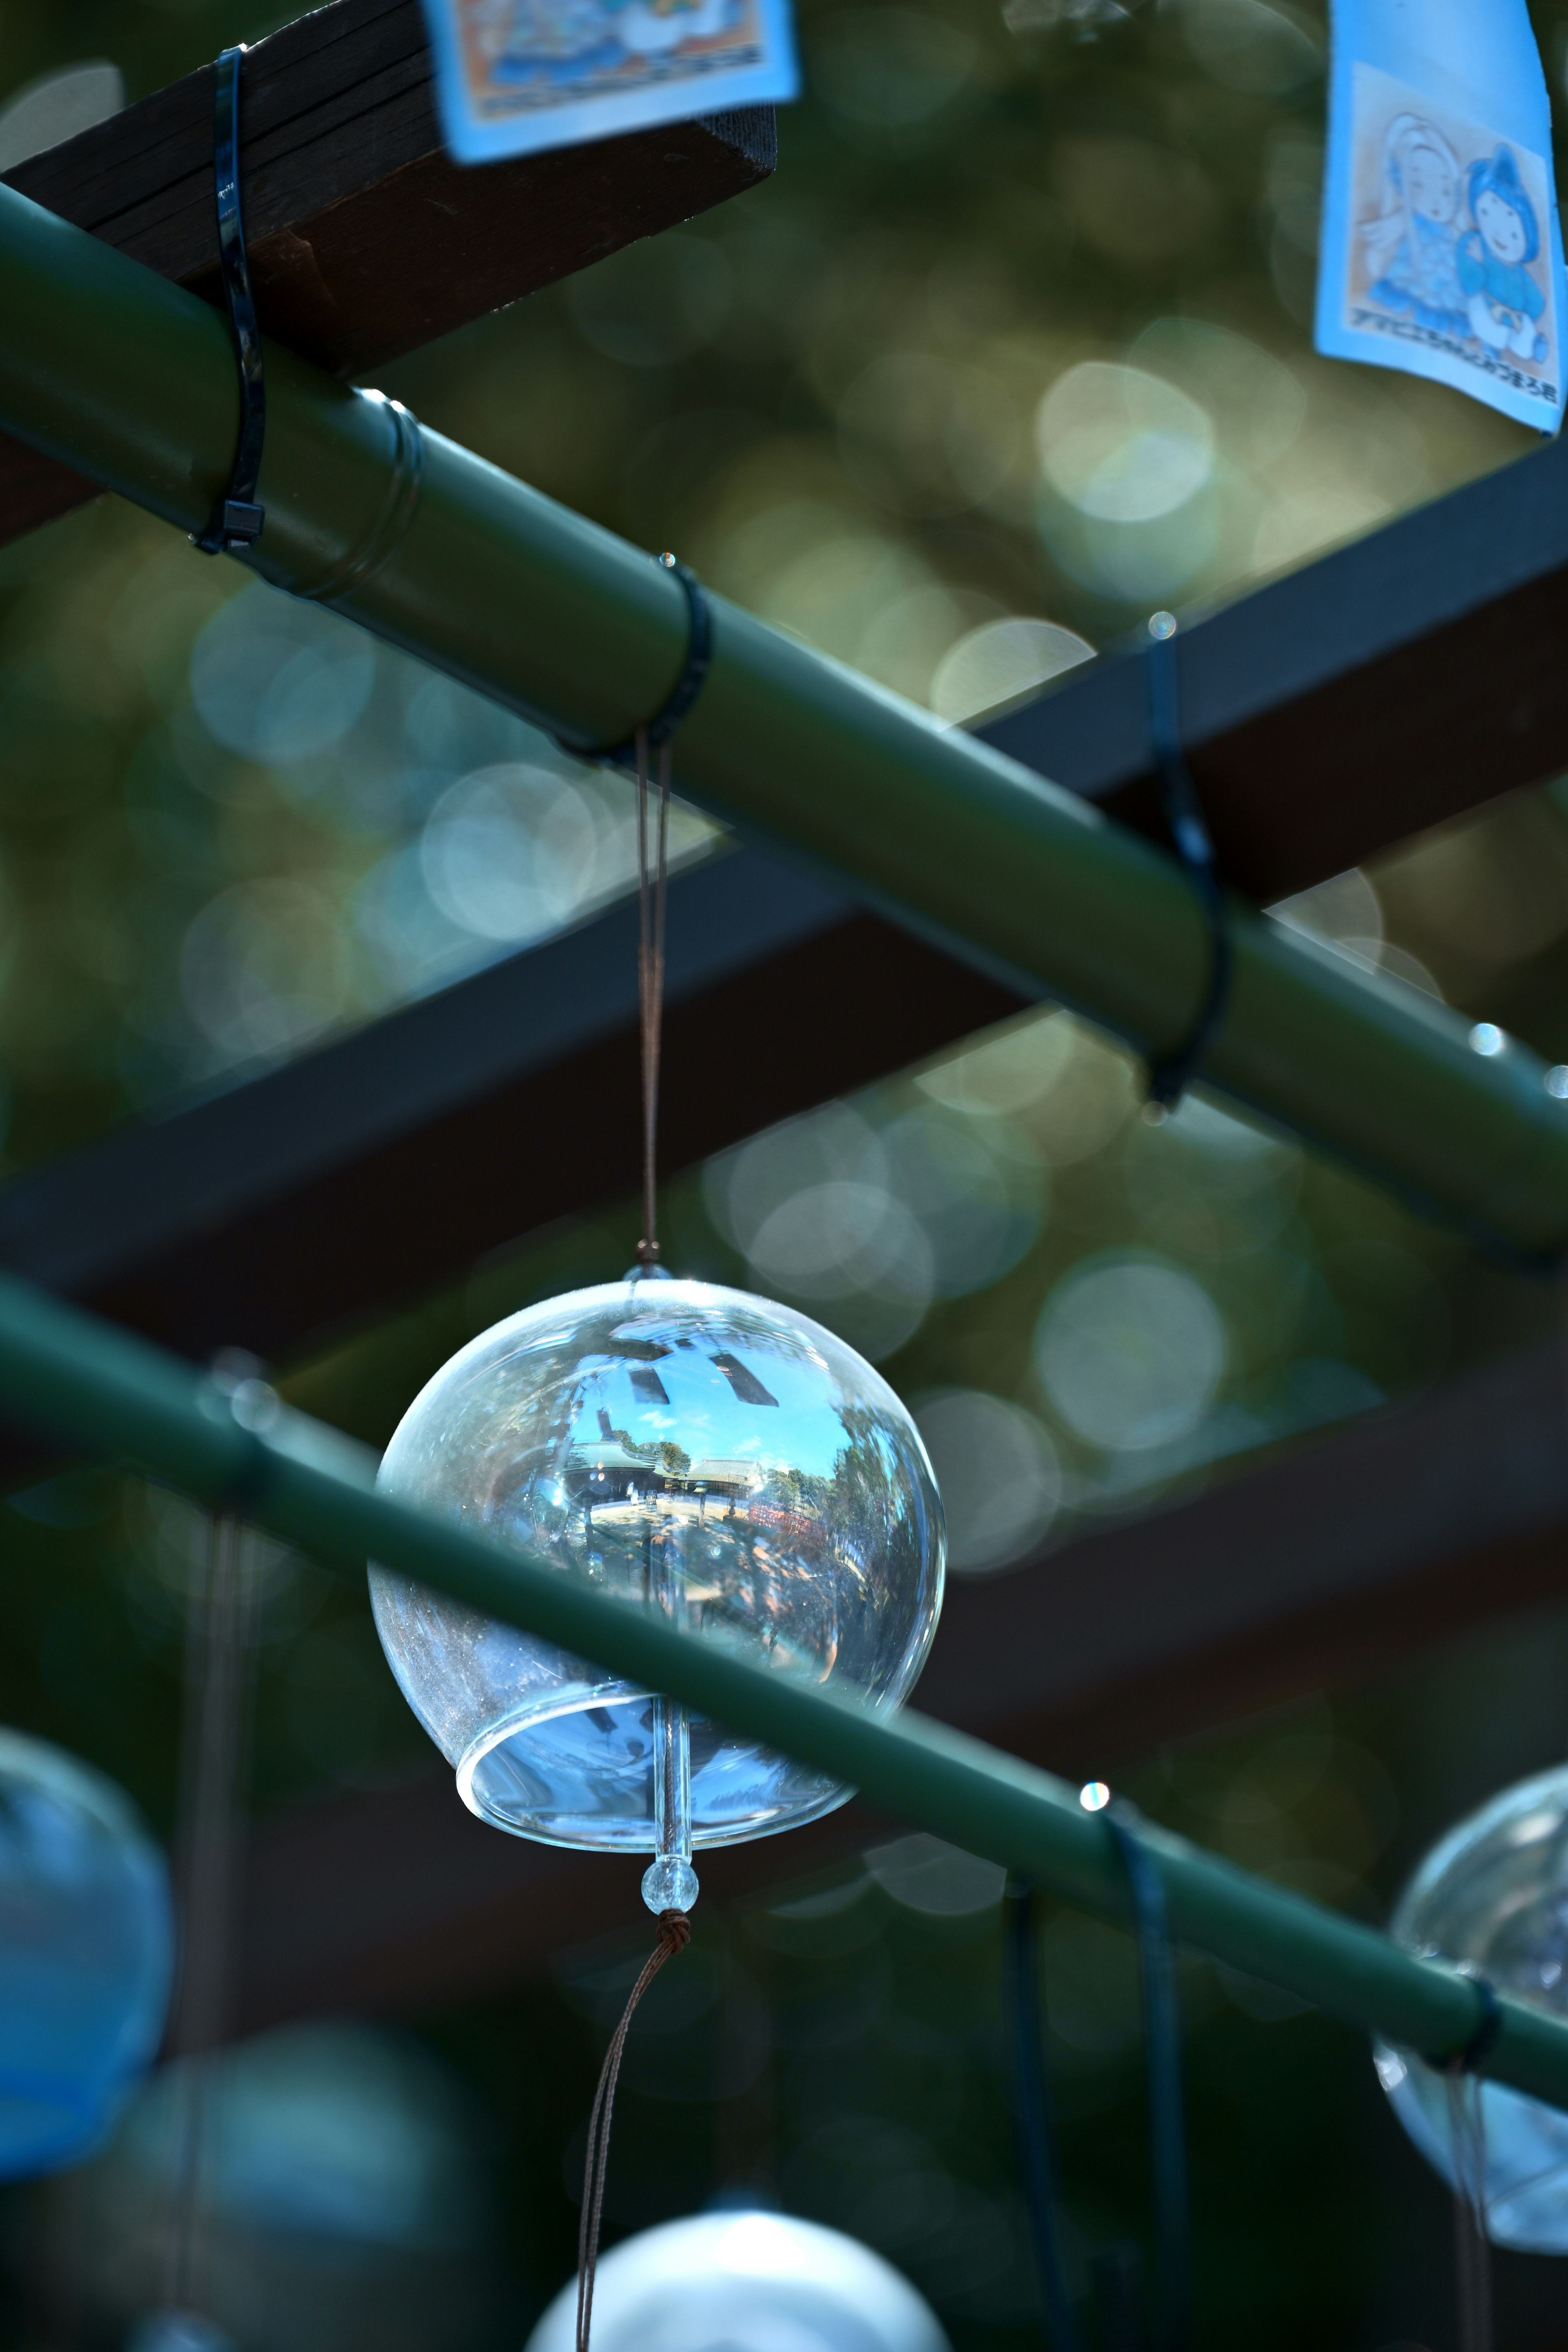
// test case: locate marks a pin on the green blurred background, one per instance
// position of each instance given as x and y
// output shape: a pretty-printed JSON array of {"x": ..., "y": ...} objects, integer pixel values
[{"x": 1014, "y": 348}]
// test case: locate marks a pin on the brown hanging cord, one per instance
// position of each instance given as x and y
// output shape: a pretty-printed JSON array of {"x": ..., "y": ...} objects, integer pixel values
[
  {"x": 651, "y": 892},
  {"x": 674, "y": 1935}
]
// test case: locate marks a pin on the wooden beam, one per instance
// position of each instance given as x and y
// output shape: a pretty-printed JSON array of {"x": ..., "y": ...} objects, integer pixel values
[
  {"x": 1377, "y": 692},
  {"x": 1383, "y": 689},
  {"x": 1345, "y": 1557},
  {"x": 366, "y": 240},
  {"x": 380, "y": 1167},
  {"x": 244, "y": 1222}
]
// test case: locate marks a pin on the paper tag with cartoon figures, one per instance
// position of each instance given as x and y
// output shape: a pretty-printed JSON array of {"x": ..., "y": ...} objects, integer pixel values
[
  {"x": 515, "y": 75},
  {"x": 1441, "y": 251}
]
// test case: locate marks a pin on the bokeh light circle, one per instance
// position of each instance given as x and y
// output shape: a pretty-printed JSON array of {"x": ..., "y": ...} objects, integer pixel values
[
  {"x": 1000, "y": 1478},
  {"x": 1130, "y": 1353}
]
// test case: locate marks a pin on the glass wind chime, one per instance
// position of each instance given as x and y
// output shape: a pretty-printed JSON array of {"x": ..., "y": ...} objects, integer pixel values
[
  {"x": 1491, "y": 1898},
  {"x": 710, "y": 1455},
  {"x": 748, "y": 2281},
  {"x": 714, "y": 1455},
  {"x": 87, "y": 1954}
]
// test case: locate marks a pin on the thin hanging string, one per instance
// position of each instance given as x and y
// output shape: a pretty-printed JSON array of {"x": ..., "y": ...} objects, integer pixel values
[
  {"x": 674, "y": 1935},
  {"x": 1172, "y": 1072},
  {"x": 1032, "y": 2109},
  {"x": 652, "y": 878},
  {"x": 1162, "y": 2058},
  {"x": 1467, "y": 2138},
  {"x": 218, "y": 1653},
  {"x": 1472, "y": 2250}
]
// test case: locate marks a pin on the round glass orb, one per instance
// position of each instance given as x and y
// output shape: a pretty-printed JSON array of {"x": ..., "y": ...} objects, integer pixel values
[
  {"x": 717, "y": 1456},
  {"x": 1493, "y": 1896},
  {"x": 87, "y": 1946},
  {"x": 745, "y": 2282}
]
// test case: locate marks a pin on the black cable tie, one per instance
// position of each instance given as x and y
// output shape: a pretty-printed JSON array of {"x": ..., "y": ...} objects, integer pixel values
[
  {"x": 1162, "y": 2055},
  {"x": 237, "y": 518},
  {"x": 687, "y": 686},
  {"x": 1478, "y": 2049},
  {"x": 1171, "y": 1074}
]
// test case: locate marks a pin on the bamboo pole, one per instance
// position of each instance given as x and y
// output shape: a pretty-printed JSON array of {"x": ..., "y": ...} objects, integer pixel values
[
  {"x": 115, "y": 1395},
  {"x": 131, "y": 380}
]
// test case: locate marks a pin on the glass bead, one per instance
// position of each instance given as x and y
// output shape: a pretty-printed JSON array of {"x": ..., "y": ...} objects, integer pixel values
[
  {"x": 87, "y": 1944},
  {"x": 745, "y": 2282},
  {"x": 1492, "y": 1898},
  {"x": 719, "y": 1456},
  {"x": 669, "y": 1885}
]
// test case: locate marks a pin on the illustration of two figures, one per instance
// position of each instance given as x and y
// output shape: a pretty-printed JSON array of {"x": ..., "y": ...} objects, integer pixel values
[{"x": 1453, "y": 245}]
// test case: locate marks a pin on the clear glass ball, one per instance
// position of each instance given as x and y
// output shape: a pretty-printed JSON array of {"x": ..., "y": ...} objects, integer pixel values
[
  {"x": 87, "y": 1950},
  {"x": 746, "y": 2282},
  {"x": 720, "y": 1456},
  {"x": 1493, "y": 1896}
]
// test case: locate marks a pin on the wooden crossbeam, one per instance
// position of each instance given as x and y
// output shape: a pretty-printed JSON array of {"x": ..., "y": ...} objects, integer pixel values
[
  {"x": 1328, "y": 716},
  {"x": 364, "y": 240},
  {"x": 1380, "y": 690},
  {"x": 1339, "y": 1559},
  {"x": 383, "y": 1165}
]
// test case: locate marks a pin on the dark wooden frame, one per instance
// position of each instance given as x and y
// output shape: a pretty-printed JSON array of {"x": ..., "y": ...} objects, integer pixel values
[{"x": 366, "y": 240}]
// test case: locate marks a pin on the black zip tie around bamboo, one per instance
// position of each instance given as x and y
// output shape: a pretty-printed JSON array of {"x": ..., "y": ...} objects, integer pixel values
[
  {"x": 657, "y": 731},
  {"x": 237, "y": 518}
]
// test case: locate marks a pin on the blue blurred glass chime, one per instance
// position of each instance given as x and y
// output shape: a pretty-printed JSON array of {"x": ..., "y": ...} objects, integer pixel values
[{"x": 87, "y": 1948}]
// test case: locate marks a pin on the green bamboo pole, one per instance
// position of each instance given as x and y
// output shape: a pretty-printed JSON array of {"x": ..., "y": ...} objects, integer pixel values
[
  {"x": 132, "y": 381},
  {"x": 116, "y": 1395}
]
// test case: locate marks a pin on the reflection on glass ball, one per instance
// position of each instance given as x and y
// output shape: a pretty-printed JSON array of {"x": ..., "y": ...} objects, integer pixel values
[
  {"x": 87, "y": 1944},
  {"x": 674, "y": 1442},
  {"x": 745, "y": 2283},
  {"x": 1493, "y": 1896}
]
